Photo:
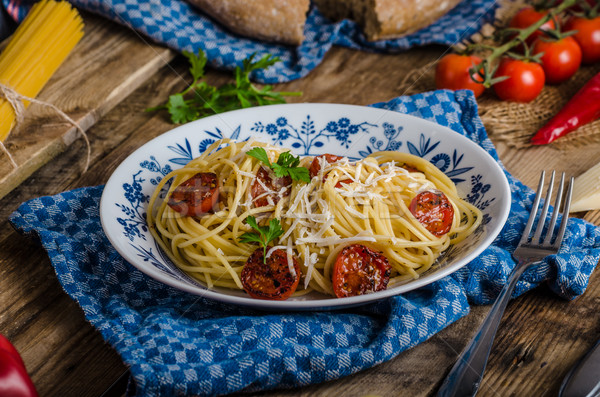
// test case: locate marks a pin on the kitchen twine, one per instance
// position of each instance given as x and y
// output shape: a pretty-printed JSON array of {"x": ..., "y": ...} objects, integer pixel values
[{"x": 16, "y": 100}]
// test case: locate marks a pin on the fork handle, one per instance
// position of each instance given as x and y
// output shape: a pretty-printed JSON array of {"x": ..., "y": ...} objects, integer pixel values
[{"x": 465, "y": 377}]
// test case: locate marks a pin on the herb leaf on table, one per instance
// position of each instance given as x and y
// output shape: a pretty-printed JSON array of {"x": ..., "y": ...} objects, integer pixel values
[{"x": 200, "y": 99}]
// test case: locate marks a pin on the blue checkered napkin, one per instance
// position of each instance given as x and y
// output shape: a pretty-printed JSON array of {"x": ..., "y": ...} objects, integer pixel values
[
  {"x": 178, "y": 344},
  {"x": 180, "y": 26}
]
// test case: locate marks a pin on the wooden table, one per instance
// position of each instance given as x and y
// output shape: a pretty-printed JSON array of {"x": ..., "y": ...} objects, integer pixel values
[{"x": 540, "y": 337}]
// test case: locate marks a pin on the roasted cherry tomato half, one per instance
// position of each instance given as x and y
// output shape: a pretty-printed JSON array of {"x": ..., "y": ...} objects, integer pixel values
[
  {"x": 266, "y": 178},
  {"x": 343, "y": 182},
  {"x": 315, "y": 166},
  {"x": 434, "y": 211},
  {"x": 196, "y": 196},
  {"x": 560, "y": 58},
  {"x": 271, "y": 280},
  {"x": 453, "y": 72},
  {"x": 587, "y": 36},
  {"x": 524, "y": 83},
  {"x": 359, "y": 270},
  {"x": 526, "y": 17}
]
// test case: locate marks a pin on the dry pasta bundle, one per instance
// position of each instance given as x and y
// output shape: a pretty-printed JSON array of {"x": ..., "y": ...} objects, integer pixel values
[
  {"x": 38, "y": 47},
  {"x": 322, "y": 223}
]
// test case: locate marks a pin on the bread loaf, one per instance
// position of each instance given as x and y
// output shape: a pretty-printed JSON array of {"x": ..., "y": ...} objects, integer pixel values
[
  {"x": 387, "y": 19},
  {"x": 280, "y": 21}
]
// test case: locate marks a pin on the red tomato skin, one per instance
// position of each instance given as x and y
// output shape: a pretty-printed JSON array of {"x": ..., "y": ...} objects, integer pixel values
[
  {"x": 359, "y": 270},
  {"x": 452, "y": 73},
  {"x": 7, "y": 346},
  {"x": 434, "y": 211},
  {"x": 343, "y": 182},
  {"x": 270, "y": 281},
  {"x": 272, "y": 182},
  {"x": 528, "y": 16},
  {"x": 560, "y": 60},
  {"x": 525, "y": 80},
  {"x": 587, "y": 36},
  {"x": 196, "y": 196},
  {"x": 315, "y": 166},
  {"x": 15, "y": 379}
]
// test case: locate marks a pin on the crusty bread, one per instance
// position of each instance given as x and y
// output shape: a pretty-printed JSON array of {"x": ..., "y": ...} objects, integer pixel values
[
  {"x": 280, "y": 21},
  {"x": 387, "y": 19}
]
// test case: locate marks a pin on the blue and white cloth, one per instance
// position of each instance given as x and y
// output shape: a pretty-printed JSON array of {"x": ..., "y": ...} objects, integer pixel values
[
  {"x": 180, "y": 26},
  {"x": 179, "y": 344}
]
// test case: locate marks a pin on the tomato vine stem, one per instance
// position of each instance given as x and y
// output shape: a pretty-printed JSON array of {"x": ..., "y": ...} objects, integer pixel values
[{"x": 483, "y": 73}]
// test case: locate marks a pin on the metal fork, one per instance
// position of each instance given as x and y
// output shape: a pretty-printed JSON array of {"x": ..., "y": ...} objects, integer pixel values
[{"x": 465, "y": 377}]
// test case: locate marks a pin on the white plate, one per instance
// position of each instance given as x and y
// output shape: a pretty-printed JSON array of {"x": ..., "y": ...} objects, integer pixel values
[{"x": 307, "y": 129}]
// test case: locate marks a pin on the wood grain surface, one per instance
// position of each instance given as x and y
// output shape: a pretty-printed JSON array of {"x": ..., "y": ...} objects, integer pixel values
[
  {"x": 540, "y": 337},
  {"x": 104, "y": 68}
]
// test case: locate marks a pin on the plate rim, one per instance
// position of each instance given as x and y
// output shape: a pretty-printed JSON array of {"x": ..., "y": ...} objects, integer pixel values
[{"x": 329, "y": 303}]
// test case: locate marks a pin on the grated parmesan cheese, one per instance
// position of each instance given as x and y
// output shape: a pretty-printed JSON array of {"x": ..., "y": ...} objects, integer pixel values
[
  {"x": 247, "y": 174},
  {"x": 290, "y": 258}
]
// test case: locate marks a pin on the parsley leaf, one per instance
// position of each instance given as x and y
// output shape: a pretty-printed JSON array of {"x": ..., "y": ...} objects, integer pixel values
[
  {"x": 197, "y": 64},
  {"x": 200, "y": 99},
  {"x": 287, "y": 159},
  {"x": 299, "y": 174},
  {"x": 180, "y": 111},
  {"x": 260, "y": 154},
  {"x": 265, "y": 234},
  {"x": 286, "y": 165}
]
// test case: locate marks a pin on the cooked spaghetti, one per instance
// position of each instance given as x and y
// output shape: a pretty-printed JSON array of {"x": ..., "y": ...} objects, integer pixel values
[{"x": 370, "y": 202}]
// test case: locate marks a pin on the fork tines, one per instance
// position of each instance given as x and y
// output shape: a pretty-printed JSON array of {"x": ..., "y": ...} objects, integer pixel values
[{"x": 548, "y": 241}]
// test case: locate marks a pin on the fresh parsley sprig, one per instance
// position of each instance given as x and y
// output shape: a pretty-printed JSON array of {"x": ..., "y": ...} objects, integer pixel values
[
  {"x": 265, "y": 234},
  {"x": 286, "y": 165},
  {"x": 200, "y": 99}
]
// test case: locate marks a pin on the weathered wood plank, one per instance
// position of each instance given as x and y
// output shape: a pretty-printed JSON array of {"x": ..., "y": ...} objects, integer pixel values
[{"x": 105, "y": 67}]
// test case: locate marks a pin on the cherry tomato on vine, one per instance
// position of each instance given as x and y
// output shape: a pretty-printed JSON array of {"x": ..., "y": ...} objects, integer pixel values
[
  {"x": 272, "y": 280},
  {"x": 359, "y": 270},
  {"x": 452, "y": 72},
  {"x": 434, "y": 211},
  {"x": 560, "y": 60},
  {"x": 197, "y": 195},
  {"x": 587, "y": 36},
  {"x": 526, "y": 17},
  {"x": 524, "y": 83}
]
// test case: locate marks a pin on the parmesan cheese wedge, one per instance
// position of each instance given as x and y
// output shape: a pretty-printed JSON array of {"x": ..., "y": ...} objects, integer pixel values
[{"x": 586, "y": 191}]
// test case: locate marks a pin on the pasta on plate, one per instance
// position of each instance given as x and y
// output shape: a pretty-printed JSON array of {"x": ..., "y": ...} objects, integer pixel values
[{"x": 251, "y": 216}]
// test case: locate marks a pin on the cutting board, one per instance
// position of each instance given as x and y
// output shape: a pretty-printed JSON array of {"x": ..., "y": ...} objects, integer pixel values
[{"x": 83, "y": 92}]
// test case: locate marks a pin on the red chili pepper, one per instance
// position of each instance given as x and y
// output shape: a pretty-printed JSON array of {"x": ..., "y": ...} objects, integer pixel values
[
  {"x": 583, "y": 108},
  {"x": 14, "y": 380}
]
